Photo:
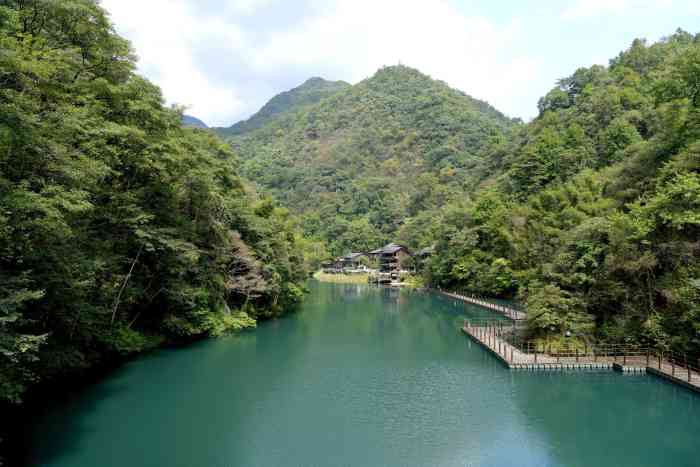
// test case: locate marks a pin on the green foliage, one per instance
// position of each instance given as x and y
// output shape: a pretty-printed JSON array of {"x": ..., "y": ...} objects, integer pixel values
[
  {"x": 556, "y": 311},
  {"x": 369, "y": 159},
  {"x": 309, "y": 93},
  {"x": 595, "y": 216},
  {"x": 119, "y": 228}
]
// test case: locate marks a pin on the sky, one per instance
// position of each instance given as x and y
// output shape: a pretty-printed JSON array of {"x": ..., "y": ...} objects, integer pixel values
[{"x": 223, "y": 59}]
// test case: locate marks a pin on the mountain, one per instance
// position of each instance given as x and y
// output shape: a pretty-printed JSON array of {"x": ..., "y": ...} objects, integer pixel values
[
  {"x": 594, "y": 217},
  {"x": 193, "y": 122},
  {"x": 310, "y": 92},
  {"x": 361, "y": 162}
]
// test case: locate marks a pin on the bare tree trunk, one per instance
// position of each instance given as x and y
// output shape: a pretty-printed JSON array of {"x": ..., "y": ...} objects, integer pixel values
[{"x": 121, "y": 290}]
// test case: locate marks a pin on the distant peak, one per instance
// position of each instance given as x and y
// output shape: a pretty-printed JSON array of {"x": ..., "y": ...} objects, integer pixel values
[
  {"x": 400, "y": 68},
  {"x": 308, "y": 93},
  {"x": 193, "y": 122},
  {"x": 399, "y": 72},
  {"x": 315, "y": 79}
]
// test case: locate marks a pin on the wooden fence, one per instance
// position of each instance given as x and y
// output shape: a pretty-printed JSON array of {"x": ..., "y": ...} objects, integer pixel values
[{"x": 505, "y": 342}]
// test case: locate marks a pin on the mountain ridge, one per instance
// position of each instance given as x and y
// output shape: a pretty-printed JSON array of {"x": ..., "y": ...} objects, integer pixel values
[
  {"x": 350, "y": 162},
  {"x": 193, "y": 122},
  {"x": 309, "y": 92}
]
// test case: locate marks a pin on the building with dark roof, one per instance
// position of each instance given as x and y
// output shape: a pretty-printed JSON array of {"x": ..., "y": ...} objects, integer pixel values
[
  {"x": 352, "y": 261},
  {"x": 393, "y": 258}
]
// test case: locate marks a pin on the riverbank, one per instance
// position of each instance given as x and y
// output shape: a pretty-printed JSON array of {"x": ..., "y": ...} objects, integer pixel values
[
  {"x": 341, "y": 278},
  {"x": 409, "y": 282},
  {"x": 63, "y": 388}
]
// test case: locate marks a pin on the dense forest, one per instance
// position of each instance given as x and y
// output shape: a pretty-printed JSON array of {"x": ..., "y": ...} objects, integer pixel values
[
  {"x": 359, "y": 163},
  {"x": 589, "y": 213},
  {"x": 126, "y": 225},
  {"x": 593, "y": 216},
  {"x": 120, "y": 230}
]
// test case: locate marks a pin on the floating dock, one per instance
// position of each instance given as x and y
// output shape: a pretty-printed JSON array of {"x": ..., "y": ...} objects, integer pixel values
[
  {"x": 508, "y": 312},
  {"x": 625, "y": 359}
]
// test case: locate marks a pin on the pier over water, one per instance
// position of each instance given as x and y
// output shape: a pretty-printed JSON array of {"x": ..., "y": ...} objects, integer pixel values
[{"x": 501, "y": 340}]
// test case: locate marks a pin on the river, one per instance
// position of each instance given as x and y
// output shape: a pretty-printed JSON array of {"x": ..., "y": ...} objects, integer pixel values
[{"x": 364, "y": 376}]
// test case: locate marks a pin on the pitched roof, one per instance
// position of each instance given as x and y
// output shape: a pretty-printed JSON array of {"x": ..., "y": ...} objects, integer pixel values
[
  {"x": 392, "y": 248},
  {"x": 352, "y": 256}
]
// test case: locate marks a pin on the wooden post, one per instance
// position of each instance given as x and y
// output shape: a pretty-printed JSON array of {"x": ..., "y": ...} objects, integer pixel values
[
  {"x": 673, "y": 368},
  {"x": 687, "y": 366},
  {"x": 647, "y": 357},
  {"x": 659, "y": 360},
  {"x": 576, "y": 354},
  {"x": 624, "y": 358}
]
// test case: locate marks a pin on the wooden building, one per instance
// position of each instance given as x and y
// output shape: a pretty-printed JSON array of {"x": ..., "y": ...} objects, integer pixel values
[
  {"x": 393, "y": 258},
  {"x": 352, "y": 261}
]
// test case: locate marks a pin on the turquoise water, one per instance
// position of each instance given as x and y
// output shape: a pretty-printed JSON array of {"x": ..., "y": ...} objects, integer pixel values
[{"x": 364, "y": 376}]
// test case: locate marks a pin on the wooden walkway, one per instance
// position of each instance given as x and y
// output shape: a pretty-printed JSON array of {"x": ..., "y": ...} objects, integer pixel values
[
  {"x": 624, "y": 359},
  {"x": 508, "y": 312}
]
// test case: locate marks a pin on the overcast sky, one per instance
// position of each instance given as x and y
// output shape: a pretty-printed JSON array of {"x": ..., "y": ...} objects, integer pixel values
[{"x": 224, "y": 59}]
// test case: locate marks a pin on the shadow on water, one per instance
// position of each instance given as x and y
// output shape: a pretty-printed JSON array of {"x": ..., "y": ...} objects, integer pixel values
[{"x": 50, "y": 409}]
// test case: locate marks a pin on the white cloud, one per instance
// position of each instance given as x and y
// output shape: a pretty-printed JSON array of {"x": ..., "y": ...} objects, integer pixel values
[
  {"x": 359, "y": 36},
  {"x": 594, "y": 8},
  {"x": 166, "y": 49},
  {"x": 339, "y": 39}
]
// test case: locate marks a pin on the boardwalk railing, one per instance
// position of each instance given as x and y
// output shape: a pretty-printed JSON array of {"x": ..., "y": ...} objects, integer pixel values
[
  {"x": 677, "y": 365},
  {"x": 507, "y": 311},
  {"x": 505, "y": 342}
]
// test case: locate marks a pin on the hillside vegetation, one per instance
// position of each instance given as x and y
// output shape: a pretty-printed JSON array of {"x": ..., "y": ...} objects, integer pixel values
[
  {"x": 359, "y": 163},
  {"x": 594, "y": 219},
  {"x": 589, "y": 213},
  {"x": 193, "y": 122},
  {"x": 119, "y": 228},
  {"x": 310, "y": 92}
]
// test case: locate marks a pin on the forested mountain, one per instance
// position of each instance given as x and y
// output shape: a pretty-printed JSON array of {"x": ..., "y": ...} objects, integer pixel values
[
  {"x": 595, "y": 217},
  {"x": 310, "y": 92},
  {"x": 193, "y": 122},
  {"x": 119, "y": 228},
  {"x": 589, "y": 213},
  {"x": 359, "y": 163}
]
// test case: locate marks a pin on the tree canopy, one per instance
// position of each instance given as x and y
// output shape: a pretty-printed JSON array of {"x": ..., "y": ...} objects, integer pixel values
[
  {"x": 361, "y": 162},
  {"x": 119, "y": 228},
  {"x": 592, "y": 216}
]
